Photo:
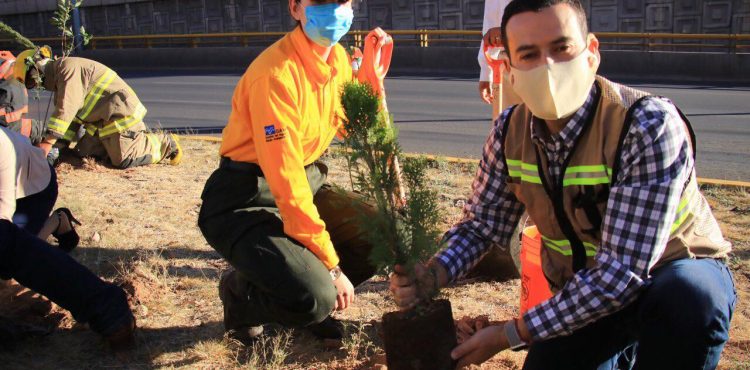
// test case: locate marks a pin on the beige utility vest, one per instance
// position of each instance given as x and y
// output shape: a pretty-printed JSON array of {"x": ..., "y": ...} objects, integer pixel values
[{"x": 569, "y": 215}]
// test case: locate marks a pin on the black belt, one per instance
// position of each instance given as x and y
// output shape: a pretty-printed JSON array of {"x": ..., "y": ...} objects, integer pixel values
[{"x": 248, "y": 167}]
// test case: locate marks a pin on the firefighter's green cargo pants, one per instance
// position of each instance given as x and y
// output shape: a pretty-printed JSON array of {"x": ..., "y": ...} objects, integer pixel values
[{"x": 278, "y": 280}]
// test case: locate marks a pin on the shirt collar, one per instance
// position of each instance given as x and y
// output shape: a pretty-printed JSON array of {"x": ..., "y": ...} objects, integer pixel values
[
  {"x": 572, "y": 129},
  {"x": 317, "y": 69}
]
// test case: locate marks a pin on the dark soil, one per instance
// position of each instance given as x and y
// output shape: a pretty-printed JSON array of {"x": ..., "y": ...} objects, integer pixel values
[{"x": 420, "y": 340}]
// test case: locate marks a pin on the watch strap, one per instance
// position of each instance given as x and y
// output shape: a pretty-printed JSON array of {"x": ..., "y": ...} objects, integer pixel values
[{"x": 515, "y": 342}]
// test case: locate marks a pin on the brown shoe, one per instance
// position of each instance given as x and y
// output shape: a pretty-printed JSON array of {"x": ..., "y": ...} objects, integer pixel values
[
  {"x": 122, "y": 339},
  {"x": 246, "y": 334}
]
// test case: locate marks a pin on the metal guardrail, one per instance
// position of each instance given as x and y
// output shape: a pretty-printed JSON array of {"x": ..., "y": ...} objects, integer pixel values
[{"x": 732, "y": 43}]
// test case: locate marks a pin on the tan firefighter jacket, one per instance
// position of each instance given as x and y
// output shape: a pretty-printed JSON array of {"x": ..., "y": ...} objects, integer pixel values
[
  {"x": 89, "y": 93},
  {"x": 569, "y": 216}
]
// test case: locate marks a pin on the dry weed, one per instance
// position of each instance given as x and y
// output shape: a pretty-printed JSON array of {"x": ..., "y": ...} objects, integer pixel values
[{"x": 139, "y": 228}]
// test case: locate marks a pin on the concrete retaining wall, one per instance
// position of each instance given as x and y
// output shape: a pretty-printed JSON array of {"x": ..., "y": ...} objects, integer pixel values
[{"x": 450, "y": 61}]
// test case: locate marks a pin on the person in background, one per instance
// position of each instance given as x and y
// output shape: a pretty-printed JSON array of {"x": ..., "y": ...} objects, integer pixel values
[
  {"x": 493, "y": 15},
  {"x": 88, "y": 94},
  {"x": 28, "y": 191}
]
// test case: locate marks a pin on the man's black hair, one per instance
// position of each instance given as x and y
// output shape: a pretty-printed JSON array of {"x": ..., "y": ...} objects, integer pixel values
[{"x": 521, "y": 6}]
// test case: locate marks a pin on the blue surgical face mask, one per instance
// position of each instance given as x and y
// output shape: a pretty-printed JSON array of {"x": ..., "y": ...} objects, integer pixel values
[{"x": 327, "y": 23}]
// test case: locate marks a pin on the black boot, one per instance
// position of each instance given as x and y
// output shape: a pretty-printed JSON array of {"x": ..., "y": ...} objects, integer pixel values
[
  {"x": 329, "y": 328},
  {"x": 233, "y": 325}
]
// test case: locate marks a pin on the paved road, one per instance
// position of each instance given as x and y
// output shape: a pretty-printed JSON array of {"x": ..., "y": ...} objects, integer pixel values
[{"x": 445, "y": 116}]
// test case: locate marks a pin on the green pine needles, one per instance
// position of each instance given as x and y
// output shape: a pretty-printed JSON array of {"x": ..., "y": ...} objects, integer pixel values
[
  {"x": 400, "y": 232},
  {"x": 15, "y": 36}
]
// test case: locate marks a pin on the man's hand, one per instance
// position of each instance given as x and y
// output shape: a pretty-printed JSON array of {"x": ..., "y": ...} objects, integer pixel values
[
  {"x": 493, "y": 38},
  {"x": 410, "y": 290},
  {"x": 485, "y": 91},
  {"x": 480, "y": 347},
  {"x": 344, "y": 293},
  {"x": 468, "y": 326}
]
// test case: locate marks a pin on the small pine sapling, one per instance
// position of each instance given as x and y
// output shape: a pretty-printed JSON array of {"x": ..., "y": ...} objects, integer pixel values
[{"x": 402, "y": 231}]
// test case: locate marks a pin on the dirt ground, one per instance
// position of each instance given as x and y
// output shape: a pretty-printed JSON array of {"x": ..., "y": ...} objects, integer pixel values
[{"x": 139, "y": 229}]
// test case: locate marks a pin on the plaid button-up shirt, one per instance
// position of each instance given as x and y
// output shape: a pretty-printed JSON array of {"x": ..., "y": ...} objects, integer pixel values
[{"x": 656, "y": 162}]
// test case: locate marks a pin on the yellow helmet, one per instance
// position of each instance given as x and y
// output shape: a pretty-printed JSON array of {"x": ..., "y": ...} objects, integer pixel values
[{"x": 36, "y": 58}]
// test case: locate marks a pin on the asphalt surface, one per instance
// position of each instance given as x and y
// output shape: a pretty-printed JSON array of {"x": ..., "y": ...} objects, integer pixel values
[{"x": 444, "y": 116}]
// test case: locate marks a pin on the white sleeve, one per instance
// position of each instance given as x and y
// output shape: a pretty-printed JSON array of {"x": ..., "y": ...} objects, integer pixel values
[
  {"x": 493, "y": 17},
  {"x": 7, "y": 178}
]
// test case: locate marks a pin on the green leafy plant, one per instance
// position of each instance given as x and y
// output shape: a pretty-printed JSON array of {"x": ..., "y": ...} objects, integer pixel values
[
  {"x": 15, "y": 36},
  {"x": 401, "y": 232},
  {"x": 61, "y": 18}
]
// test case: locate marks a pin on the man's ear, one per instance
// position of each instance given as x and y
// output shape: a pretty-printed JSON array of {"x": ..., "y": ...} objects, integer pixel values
[{"x": 593, "y": 46}]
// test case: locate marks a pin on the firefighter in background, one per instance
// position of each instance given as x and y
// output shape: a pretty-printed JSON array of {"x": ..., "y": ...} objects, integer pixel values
[
  {"x": 90, "y": 95},
  {"x": 14, "y": 102}
]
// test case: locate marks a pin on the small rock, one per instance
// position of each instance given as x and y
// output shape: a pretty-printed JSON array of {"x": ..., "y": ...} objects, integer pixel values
[
  {"x": 144, "y": 310},
  {"x": 96, "y": 237},
  {"x": 197, "y": 322}
]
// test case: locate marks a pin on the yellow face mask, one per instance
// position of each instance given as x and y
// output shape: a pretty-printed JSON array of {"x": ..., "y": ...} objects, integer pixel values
[{"x": 554, "y": 91}]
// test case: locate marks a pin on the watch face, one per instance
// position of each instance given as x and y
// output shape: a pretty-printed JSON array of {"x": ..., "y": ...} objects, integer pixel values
[{"x": 335, "y": 272}]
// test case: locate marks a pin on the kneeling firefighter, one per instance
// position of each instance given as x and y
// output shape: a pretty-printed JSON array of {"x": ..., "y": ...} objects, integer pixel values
[{"x": 88, "y": 94}]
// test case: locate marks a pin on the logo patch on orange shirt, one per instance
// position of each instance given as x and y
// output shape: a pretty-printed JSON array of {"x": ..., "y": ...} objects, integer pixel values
[{"x": 273, "y": 134}]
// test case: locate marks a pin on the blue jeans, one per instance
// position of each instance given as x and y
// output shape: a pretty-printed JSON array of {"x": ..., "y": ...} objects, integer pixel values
[
  {"x": 32, "y": 211},
  {"x": 681, "y": 321},
  {"x": 52, "y": 273}
]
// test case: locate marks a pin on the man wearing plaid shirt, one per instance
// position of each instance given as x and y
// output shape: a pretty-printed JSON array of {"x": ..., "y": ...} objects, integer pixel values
[{"x": 631, "y": 250}]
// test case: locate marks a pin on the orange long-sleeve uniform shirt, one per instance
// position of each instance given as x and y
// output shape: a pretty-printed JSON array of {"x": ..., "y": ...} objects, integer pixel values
[{"x": 286, "y": 110}]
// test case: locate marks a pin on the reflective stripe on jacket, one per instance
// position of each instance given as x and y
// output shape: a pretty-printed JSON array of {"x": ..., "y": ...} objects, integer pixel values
[{"x": 89, "y": 93}]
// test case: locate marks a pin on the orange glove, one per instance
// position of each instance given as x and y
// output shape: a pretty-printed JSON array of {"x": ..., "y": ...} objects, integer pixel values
[
  {"x": 376, "y": 59},
  {"x": 497, "y": 65}
]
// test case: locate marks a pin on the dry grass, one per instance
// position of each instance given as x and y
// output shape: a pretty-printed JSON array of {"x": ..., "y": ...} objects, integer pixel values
[{"x": 140, "y": 227}]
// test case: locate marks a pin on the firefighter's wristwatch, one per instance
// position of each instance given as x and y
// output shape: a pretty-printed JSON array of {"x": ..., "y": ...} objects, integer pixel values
[
  {"x": 335, "y": 273},
  {"x": 514, "y": 339}
]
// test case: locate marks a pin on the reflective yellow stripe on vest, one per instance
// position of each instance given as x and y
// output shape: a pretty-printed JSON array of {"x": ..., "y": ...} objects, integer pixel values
[
  {"x": 587, "y": 175},
  {"x": 683, "y": 210},
  {"x": 124, "y": 123},
  {"x": 96, "y": 93},
  {"x": 563, "y": 246},
  {"x": 57, "y": 125},
  {"x": 525, "y": 171},
  {"x": 574, "y": 175}
]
